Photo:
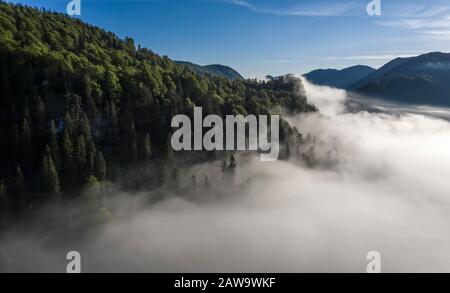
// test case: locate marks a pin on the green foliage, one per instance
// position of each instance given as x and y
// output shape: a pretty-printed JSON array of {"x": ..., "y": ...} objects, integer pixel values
[
  {"x": 104, "y": 216},
  {"x": 146, "y": 152},
  {"x": 90, "y": 195},
  {"x": 99, "y": 167},
  {"x": 100, "y": 103},
  {"x": 49, "y": 176}
]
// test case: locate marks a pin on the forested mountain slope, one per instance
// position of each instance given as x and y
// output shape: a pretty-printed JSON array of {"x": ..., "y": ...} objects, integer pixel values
[
  {"x": 214, "y": 70},
  {"x": 339, "y": 78},
  {"x": 77, "y": 104},
  {"x": 424, "y": 79}
]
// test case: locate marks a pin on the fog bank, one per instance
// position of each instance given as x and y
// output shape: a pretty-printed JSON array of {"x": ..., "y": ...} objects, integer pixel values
[{"x": 383, "y": 184}]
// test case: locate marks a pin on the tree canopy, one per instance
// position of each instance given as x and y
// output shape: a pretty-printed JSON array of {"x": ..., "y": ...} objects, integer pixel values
[{"x": 77, "y": 101}]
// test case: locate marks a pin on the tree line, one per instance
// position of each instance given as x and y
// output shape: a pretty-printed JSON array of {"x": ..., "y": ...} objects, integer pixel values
[{"x": 78, "y": 104}]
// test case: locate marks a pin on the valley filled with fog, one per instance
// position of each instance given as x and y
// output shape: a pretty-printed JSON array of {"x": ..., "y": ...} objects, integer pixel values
[{"x": 381, "y": 183}]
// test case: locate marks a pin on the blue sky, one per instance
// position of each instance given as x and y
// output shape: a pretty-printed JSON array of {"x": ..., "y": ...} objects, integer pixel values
[{"x": 260, "y": 37}]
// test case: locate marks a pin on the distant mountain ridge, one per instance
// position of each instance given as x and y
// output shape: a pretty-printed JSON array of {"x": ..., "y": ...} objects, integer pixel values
[
  {"x": 339, "y": 78},
  {"x": 424, "y": 79},
  {"x": 376, "y": 74},
  {"x": 214, "y": 70}
]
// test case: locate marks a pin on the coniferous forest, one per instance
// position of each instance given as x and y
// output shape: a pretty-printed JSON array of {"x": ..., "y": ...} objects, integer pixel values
[{"x": 79, "y": 106}]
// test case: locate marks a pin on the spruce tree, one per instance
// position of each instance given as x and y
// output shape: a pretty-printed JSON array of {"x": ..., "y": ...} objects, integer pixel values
[
  {"x": 146, "y": 151},
  {"x": 53, "y": 143},
  {"x": 80, "y": 157},
  {"x": 133, "y": 152},
  {"x": 169, "y": 152},
  {"x": 67, "y": 150},
  {"x": 99, "y": 166},
  {"x": 25, "y": 137},
  {"x": 49, "y": 176},
  {"x": 90, "y": 157},
  {"x": 67, "y": 166},
  {"x": 19, "y": 189}
]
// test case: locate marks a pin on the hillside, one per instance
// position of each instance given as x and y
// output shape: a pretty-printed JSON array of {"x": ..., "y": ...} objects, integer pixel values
[
  {"x": 420, "y": 80},
  {"x": 339, "y": 78},
  {"x": 214, "y": 70},
  {"x": 78, "y": 106},
  {"x": 378, "y": 73}
]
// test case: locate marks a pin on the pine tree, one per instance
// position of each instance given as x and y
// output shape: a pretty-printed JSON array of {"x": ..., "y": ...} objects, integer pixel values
[
  {"x": 146, "y": 150},
  {"x": 79, "y": 154},
  {"x": 90, "y": 196},
  {"x": 111, "y": 113},
  {"x": 133, "y": 152},
  {"x": 68, "y": 124},
  {"x": 232, "y": 162},
  {"x": 67, "y": 150},
  {"x": 100, "y": 166},
  {"x": 25, "y": 137},
  {"x": 19, "y": 182},
  {"x": 49, "y": 176},
  {"x": 67, "y": 166},
  {"x": 19, "y": 189},
  {"x": 90, "y": 157},
  {"x": 53, "y": 143},
  {"x": 85, "y": 127},
  {"x": 39, "y": 115},
  {"x": 169, "y": 152}
]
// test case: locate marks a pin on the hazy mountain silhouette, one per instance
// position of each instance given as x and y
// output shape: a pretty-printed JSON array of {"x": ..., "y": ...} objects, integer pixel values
[
  {"x": 378, "y": 73},
  {"x": 339, "y": 78},
  {"x": 214, "y": 70},
  {"x": 420, "y": 80}
]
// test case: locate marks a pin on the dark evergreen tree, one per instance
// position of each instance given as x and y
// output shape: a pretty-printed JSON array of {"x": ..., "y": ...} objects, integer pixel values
[
  {"x": 19, "y": 189},
  {"x": 54, "y": 146},
  {"x": 169, "y": 152},
  {"x": 79, "y": 90},
  {"x": 100, "y": 166},
  {"x": 232, "y": 162},
  {"x": 49, "y": 177},
  {"x": 25, "y": 137},
  {"x": 146, "y": 148}
]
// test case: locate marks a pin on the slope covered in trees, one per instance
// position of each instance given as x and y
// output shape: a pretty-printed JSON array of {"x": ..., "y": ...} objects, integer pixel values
[
  {"x": 214, "y": 70},
  {"x": 422, "y": 80},
  {"x": 78, "y": 104}
]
